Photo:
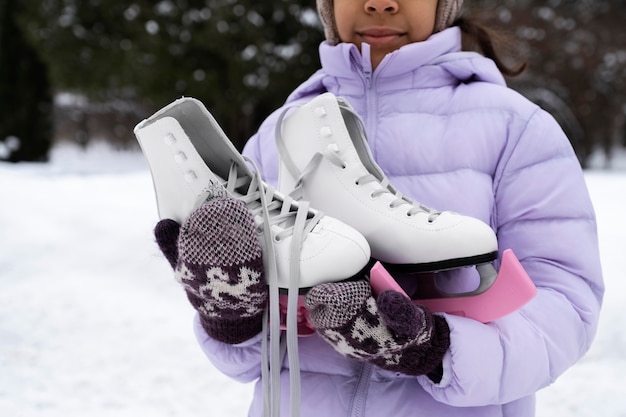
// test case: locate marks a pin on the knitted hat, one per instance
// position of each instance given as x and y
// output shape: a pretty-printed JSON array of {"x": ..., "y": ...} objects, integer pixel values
[{"x": 447, "y": 11}]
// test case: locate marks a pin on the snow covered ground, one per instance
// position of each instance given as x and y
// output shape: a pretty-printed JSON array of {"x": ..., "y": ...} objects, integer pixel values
[{"x": 92, "y": 323}]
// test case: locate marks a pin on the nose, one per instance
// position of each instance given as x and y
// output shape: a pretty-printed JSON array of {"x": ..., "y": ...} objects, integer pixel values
[{"x": 381, "y": 6}]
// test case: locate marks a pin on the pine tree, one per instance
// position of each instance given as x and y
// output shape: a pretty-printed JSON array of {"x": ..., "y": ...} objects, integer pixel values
[{"x": 240, "y": 57}]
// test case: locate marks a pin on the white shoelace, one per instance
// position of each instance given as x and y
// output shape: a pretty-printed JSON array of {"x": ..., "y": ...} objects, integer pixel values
[
  {"x": 296, "y": 220},
  {"x": 332, "y": 154}
]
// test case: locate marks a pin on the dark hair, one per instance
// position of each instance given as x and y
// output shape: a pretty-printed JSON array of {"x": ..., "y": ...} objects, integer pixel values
[{"x": 480, "y": 37}]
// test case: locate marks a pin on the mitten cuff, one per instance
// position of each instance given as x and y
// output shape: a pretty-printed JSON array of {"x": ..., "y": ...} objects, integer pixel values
[
  {"x": 439, "y": 347},
  {"x": 233, "y": 330}
]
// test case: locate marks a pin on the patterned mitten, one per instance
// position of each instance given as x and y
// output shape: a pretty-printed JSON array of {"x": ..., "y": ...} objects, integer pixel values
[
  {"x": 220, "y": 265},
  {"x": 391, "y": 332}
]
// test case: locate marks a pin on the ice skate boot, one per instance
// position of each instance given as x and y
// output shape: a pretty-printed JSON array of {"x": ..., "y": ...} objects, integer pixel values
[
  {"x": 191, "y": 160},
  {"x": 325, "y": 159}
]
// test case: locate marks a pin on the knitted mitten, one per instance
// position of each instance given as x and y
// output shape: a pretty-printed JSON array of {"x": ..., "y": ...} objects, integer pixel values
[
  {"x": 391, "y": 332},
  {"x": 219, "y": 262}
]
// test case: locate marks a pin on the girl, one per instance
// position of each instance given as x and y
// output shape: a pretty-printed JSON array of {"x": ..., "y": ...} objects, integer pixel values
[{"x": 446, "y": 130}]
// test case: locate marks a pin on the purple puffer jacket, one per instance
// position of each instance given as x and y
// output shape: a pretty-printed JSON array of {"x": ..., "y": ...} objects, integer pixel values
[{"x": 446, "y": 130}]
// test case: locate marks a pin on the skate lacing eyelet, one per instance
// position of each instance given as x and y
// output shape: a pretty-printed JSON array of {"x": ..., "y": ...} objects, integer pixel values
[
  {"x": 180, "y": 157},
  {"x": 169, "y": 139},
  {"x": 190, "y": 176},
  {"x": 320, "y": 111},
  {"x": 326, "y": 132}
]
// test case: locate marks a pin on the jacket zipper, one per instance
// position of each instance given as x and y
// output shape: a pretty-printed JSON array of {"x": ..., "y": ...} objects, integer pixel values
[
  {"x": 366, "y": 73},
  {"x": 367, "y": 78},
  {"x": 359, "y": 400}
]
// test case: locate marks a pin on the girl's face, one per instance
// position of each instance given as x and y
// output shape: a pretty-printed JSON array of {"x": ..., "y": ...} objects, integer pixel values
[{"x": 385, "y": 25}]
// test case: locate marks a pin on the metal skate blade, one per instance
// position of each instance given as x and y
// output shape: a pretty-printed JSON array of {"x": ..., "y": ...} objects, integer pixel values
[{"x": 444, "y": 265}]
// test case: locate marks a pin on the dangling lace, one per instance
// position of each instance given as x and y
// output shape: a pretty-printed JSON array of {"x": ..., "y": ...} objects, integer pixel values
[{"x": 296, "y": 220}]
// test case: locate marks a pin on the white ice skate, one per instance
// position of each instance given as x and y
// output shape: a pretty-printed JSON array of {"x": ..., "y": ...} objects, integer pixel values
[
  {"x": 325, "y": 159},
  {"x": 191, "y": 158}
]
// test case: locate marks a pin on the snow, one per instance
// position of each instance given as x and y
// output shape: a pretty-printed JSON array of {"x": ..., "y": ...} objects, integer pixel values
[{"x": 93, "y": 324}]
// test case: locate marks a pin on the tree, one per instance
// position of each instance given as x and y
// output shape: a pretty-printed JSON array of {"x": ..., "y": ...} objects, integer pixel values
[
  {"x": 243, "y": 57},
  {"x": 240, "y": 57},
  {"x": 577, "y": 56},
  {"x": 25, "y": 98}
]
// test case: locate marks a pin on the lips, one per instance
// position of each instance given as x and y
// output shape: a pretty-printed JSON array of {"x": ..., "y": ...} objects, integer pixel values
[{"x": 378, "y": 36}]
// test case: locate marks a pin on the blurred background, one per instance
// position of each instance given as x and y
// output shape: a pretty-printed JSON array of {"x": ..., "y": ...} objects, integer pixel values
[{"x": 89, "y": 70}]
